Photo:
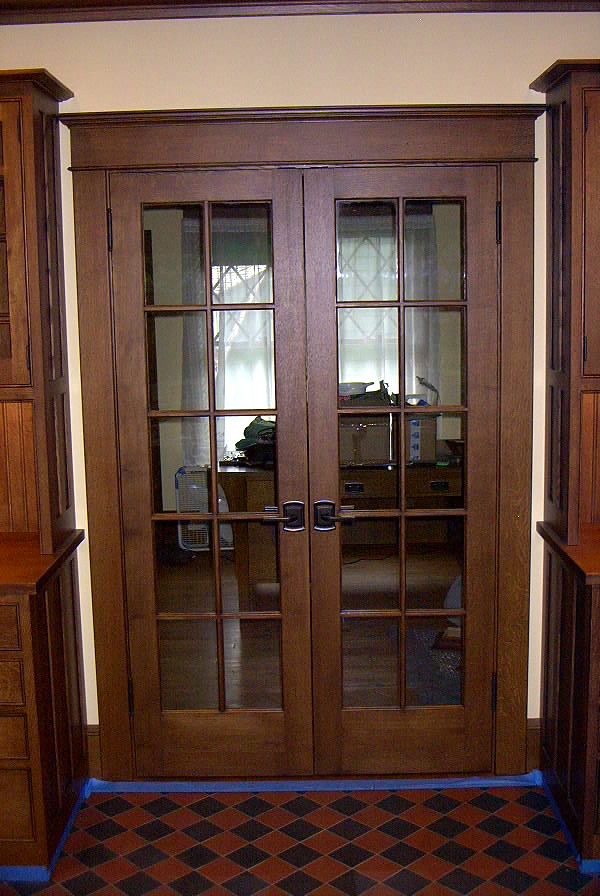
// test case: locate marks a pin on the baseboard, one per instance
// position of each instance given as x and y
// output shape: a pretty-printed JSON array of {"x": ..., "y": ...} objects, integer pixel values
[
  {"x": 94, "y": 751},
  {"x": 534, "y": 744}
]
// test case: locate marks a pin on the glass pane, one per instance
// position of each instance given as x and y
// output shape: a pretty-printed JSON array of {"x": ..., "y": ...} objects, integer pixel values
[
  {"x": 368, "y": 356},
  {"x": 434, "y": 563},
  {"x": 370, "y": 565},
  {"x": 252, "y": 664},
  {"x": 249, "y": 567},
  {"x": 435, "y": 461},
  {"x": 188, "y": 664},
  {"x": 184, "y": 567},
  {"x": 367, "y": 254},
  {"x": 367, "y": 441},
  {"x": 247, "y": 474},
  {"x": 433, "y": 251},
  {"x": 180, "y": 463},
  {"x": 433, "y": 356},
  {"x": 434, "y": 649},
  {"x": 174, "y": 255},
  {"x": 4, "y": 305},
  {"x": 177, "y": 362},
  {"x": 370, "y": 662},
  {"x": 241, "y": 246},
  {"x": 244, "y": 347}
]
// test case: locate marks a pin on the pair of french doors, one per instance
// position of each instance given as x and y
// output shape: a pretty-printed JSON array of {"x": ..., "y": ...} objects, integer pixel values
[{"x": 307, "y": 367}]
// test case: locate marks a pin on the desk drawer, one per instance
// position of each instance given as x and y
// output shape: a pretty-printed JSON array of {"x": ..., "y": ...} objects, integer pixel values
[
  {"x": 11, "y": 683},
  {"x": 361, "y": 487},
  {"x": 433, "y": 484}
]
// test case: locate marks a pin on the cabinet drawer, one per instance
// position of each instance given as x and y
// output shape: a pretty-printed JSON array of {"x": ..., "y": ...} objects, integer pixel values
[
  {"x": 424, "y": 481},
  {"x": 13, "y": 737},
  {"x": 357, "y": 484},
  {"x": 10, "y": 635},
  {"x": 11, "y": 683},
  {"x": 16, "y": 821}
]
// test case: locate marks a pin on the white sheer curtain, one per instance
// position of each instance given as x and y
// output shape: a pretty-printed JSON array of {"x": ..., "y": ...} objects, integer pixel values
[
  {"x": 194, "y": 381},
  {"x": 422, "y": 333}
]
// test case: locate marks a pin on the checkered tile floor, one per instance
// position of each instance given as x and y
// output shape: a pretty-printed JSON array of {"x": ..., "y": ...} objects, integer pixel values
[{"x": 475, "y": 841}]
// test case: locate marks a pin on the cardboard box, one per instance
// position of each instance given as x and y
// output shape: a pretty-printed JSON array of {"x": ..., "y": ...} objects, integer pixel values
[
  {"x": 421, "y": 438},
  {"x": 365, "y": 440}
]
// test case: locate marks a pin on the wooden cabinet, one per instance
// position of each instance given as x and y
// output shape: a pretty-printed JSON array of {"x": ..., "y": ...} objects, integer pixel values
[
  {"x": 42, "y": 746},
  {"x": 42, "y": 752},
  {"x": 573, "y": 374},
  {"x": 571, "y": 527},
  {"x": 36, "y": 491}
]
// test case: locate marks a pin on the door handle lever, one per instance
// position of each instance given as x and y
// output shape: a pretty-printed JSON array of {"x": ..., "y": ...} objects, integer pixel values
[
  {"x": 326, "y": 517},
  {"x": 292, "y": 518}
]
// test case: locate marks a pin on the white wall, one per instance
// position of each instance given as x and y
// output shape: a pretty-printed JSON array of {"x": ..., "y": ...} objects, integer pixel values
[{"x": 313, "y": 60}]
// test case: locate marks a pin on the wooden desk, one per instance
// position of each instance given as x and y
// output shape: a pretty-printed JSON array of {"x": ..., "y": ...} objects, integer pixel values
[{"x": 250, "y": 490}]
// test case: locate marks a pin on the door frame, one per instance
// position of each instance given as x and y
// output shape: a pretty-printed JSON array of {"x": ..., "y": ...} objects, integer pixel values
[{"x": 502, "y": 136}]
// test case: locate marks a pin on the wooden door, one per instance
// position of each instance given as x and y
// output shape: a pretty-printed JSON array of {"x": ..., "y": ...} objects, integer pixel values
[
  {"x": 392, "y": 359},
  {"x": 403, "y": 335},
  {"x": 208, "y": 294}
]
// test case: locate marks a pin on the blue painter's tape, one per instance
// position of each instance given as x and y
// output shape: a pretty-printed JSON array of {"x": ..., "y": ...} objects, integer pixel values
[
  {"x": 307, "y": 786},
  {"x": 35, "y": 874},
  {"x": 42, "y": 873},
  {"x": 586, "y": 866},
  {"x": 589, "y": 866}
]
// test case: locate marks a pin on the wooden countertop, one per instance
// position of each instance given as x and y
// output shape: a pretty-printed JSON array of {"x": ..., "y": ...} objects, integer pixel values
[
  {"x": 584, "y": 557},
  {"x": 23, "y": 569}
]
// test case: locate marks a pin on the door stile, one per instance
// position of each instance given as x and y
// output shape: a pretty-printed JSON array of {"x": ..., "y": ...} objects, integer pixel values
[
  {"x": 293, "y": 469},
  {"x": 319, "y": 241},
  {"x": 135, "y": 468}
]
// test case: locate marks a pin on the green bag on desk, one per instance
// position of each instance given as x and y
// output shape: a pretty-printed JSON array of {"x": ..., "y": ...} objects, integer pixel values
[{"x": 258, "y": 443}]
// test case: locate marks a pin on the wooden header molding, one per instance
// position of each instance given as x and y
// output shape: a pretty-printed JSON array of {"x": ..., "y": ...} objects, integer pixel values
[
  {"x": 328, "y": 136},
  {"x": 13, "y": 12}
]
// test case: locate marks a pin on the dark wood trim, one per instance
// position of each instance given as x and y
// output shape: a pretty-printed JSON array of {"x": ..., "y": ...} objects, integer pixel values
[
  {"x": 582, "y": 559},
  {"x": 240, "y": 140},
  {"x": 37, "y": 77},
  {"x": 534, "y": 745},
  {"x": 23, "y": 568},
  {"x": 103, "y": 481},
  {"x": 561, "y": 69},
  {"x": 516, "y": 413},
  {"x": 298, "y": 113},
  {"x": 56, "y": 11},
  {"x": 94, "y": 751},
  {"x": 381, "y": 136}
]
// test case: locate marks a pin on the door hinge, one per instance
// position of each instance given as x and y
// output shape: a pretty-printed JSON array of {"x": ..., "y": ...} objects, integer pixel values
[
  {"x": 109, "y": 230},
  {"x": 586, "y": 118},
  {"x": 494, "y": 691},
  {"x": 130, "y": 695},
  {"x": 585, "y": 348},
  {"x": 28, "y": 357},
  {"x": 498, "y": 222}
]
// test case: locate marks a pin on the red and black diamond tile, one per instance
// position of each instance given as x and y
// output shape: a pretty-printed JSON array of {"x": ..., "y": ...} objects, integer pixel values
[{"x": 468, "y": 841}]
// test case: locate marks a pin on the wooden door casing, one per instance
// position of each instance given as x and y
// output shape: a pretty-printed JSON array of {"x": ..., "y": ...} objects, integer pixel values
[{"x": 499, "y": 135}]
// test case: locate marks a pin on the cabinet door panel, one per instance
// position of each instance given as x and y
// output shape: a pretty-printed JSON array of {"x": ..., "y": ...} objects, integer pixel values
[
  {"x": 591, "y": 363},
  {"x": 13, "y": 288}
]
